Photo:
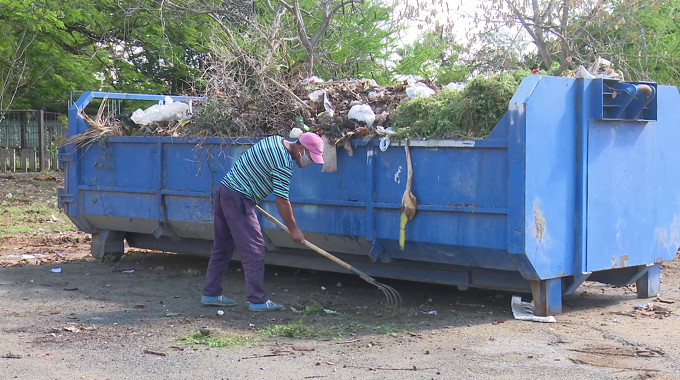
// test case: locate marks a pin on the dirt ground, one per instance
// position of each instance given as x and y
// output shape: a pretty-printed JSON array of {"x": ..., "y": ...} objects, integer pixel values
[{"x": 94, "y": 321}]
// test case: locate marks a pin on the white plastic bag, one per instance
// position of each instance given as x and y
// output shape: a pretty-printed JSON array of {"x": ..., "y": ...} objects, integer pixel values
[
  {"x": 165, "y": 110},
  {"x": 375, "y": 95},
  {"x": 327, "y": 105},
  {"x": 362, "y": 112},
  {"x": 371, "y": 82},
  {"x": 419, "y": 90},
  {"x": 295, "y": 133},
  {"x": 582, "y": 72},
  {"x": 455, "y": 86},
  {"x": 317, "y": 95}
]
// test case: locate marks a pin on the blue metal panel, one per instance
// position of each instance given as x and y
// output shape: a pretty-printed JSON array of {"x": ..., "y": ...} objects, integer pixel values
[
  {"x": 550, "y": 177},
  {"x": 666, "y": 201},
  {"x": 118, "y": 204},
  {"x": 620, "y": 194},
  {"x": 347, "y": 184},
  {"x": 516, "y": 120},
  {"x": 583, "y": 110},
  {"x": 454, "y": 228},
  {"x": 469, "y": 176},
  {"x": 189, "y": 209},
  {"x": 105, "y": 163},
  {"x": 187, "y": 168}
]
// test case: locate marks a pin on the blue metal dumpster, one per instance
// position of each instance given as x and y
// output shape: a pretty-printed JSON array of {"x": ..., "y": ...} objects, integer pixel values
[{"x": 578, "y": 181}]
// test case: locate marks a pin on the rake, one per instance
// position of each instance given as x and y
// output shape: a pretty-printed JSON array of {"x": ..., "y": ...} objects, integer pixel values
[{"x": 393, "y": 297}]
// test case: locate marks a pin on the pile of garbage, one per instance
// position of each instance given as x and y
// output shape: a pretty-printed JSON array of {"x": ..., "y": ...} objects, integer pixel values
[{"x": 340, "y": 110}]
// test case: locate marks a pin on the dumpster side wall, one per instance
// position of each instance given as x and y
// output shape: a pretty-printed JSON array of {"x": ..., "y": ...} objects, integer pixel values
[
  {"x": 666, "y": 234},
  {"x": 549, "y": 199}
]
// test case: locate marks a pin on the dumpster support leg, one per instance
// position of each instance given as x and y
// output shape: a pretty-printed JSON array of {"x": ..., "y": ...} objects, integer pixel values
[
  {"x": 648, "y": 285},
  {"x": 107, "y": 242},
  {"x": 547, "y": 296}
]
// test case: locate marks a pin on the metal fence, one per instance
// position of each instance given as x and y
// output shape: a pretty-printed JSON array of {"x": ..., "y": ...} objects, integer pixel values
[{"x": 29, "y": 138}]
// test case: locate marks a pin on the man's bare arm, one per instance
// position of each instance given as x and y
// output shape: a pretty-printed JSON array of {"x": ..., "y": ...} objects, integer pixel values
[{"x": 286, "y": 212}]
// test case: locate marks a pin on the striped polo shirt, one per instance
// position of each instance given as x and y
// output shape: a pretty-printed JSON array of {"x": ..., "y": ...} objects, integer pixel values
[{"x": 264, "y": 168}]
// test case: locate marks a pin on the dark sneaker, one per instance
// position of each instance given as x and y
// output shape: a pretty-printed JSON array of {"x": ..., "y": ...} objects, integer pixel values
[
  {"x": 267, "y": 306},
  {"x": 218, "y": 301}
]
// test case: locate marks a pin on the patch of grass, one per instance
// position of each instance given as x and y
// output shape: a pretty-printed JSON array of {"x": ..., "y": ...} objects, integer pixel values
[
  {"x": 310, "y": 308},
  {"x": 191, "y": 272},
  {"x": 28, "y": 205},
  {"x": 18, "y": 217},
  {"x": 217, "y": 339},
  {"x": 470, "y": 113},
  {"x": 297, "y": 330},
  {"x": 356, "y": 325},
  {"x": 391, "y": 330},
  {"x": 109, "y": 258}
]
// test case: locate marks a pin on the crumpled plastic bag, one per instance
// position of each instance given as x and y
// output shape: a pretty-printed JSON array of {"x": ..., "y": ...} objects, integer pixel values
[
  {"x": 385, "y": 139},
  {"x": 525, "y": 311},
  {"x": 419, "y": 90},
  {"x": 601, "y": 68},
  {"x": 362, "y": 112},
  {"x": 371, "y": 82},
  {"x": 295, "y": 133},
  {"x": 455, "y": 86},
  {"x": 317, "y": 95},
  {"x": 375, "y": 95},
  {"x": 582, "y": 72},
  {"x": 165, "y": 110}
]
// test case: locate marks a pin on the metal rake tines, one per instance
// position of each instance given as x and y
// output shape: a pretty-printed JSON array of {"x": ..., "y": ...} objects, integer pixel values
[{"x": 393, "y": 298}]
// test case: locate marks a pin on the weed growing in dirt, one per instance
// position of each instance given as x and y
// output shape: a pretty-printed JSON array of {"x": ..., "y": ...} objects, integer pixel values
[
  {"x": 311, "y": 308},
  {"x": 297, "y": 330},
  {"x": 356, "y": 325},
  {"x": 18, "y": 216},
  {"x": 191, "y": 272},
  {"x": 217, "y": 339},
  {"x": 28, "y": 205},
  {"x": 391, "y": 330},
  {"x": 108, "y": 259}
]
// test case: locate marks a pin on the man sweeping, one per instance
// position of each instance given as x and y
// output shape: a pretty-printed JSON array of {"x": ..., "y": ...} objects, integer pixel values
[{"x": 264, "y": 168}]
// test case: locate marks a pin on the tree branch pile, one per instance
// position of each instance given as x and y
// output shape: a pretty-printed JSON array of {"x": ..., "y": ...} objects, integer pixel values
[{"x": 253, "y": 105}]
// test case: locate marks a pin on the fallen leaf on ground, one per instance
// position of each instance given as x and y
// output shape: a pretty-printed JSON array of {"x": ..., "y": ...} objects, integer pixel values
[
  {"x": 302, "y": 348},
  {"x": 155, "y": 353}
]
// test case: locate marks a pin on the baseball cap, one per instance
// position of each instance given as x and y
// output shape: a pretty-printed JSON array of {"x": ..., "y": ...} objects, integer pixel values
[{"x": 314, "y": 144}]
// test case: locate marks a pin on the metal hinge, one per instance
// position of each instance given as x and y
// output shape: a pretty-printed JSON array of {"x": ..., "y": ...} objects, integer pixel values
[
  {"x": 379, "y": 253},
  {"x": 64, "y": 197},
  {"x": 64, "y": 157}
]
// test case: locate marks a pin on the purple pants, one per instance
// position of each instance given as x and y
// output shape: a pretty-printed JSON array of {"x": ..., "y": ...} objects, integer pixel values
[{"x": 236, "y": 227}]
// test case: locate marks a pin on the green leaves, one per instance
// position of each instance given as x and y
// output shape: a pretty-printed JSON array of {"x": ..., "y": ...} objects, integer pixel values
[
  {"x": 434, "y": 57},
  {"x": 470, "y": 113},
  {"x": 49, "y": 48}
]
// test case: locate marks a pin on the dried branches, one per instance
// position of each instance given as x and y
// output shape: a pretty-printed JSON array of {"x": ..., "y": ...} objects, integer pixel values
[{"x": 99, "y": 128}]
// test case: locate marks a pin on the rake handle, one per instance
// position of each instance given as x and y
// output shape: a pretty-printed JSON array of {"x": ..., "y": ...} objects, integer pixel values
[{"x": 318, "y": 249}]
